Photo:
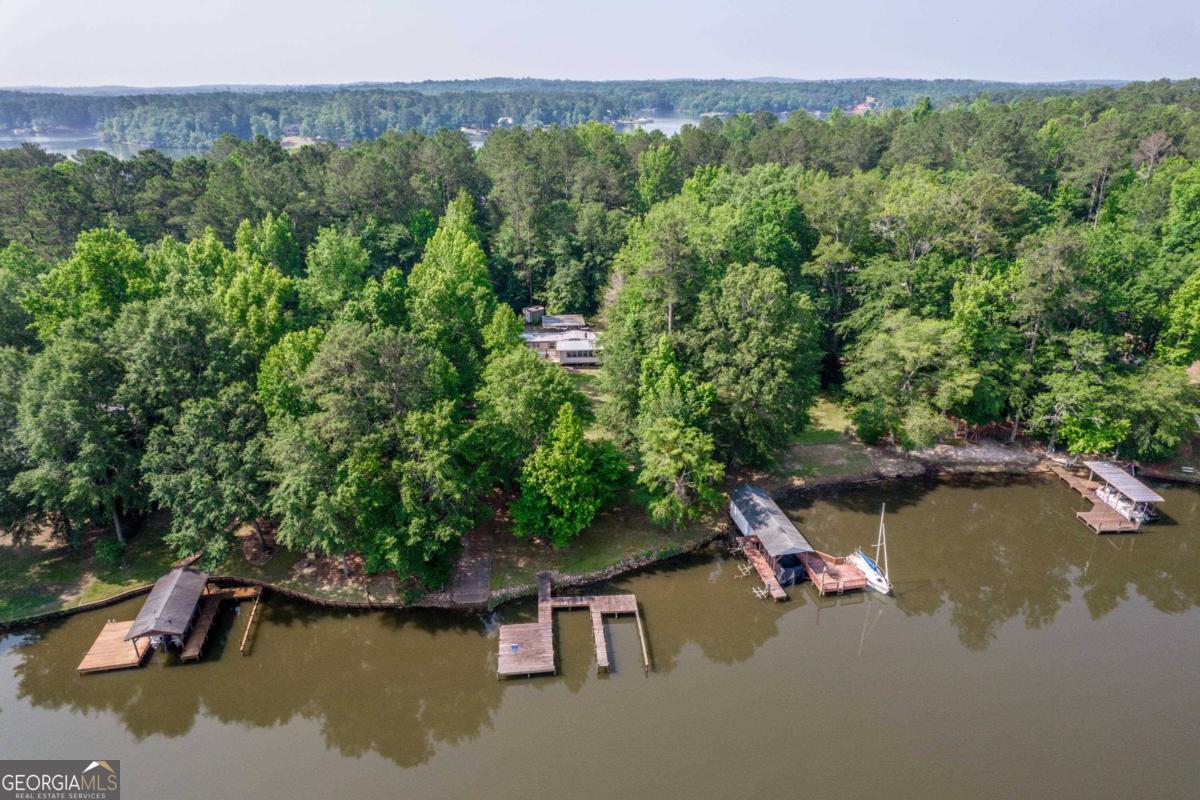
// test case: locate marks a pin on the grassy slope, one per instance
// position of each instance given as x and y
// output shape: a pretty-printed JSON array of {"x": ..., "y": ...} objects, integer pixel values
[{"x": 38, "y": 579}]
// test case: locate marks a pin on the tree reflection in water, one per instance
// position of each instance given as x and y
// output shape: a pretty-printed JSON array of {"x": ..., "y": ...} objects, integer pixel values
[{"x": 977, "y": 553}]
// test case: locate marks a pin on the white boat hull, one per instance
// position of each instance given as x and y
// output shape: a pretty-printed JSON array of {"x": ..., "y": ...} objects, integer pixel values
[{"x": 875, "y": 577}]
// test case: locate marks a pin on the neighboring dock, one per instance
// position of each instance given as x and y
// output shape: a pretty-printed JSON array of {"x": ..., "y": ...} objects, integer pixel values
[
  {"x": 111, "y": 651},
  {"x": 1103, "y": 518},
  {"x": 528, "y": 648}
]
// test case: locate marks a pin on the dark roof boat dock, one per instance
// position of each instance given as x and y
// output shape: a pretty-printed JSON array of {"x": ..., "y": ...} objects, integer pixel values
[
  {"x": 1120, "y": 502},
  {"x": 169, "y": 609},
  {"x": 182, "y": 608}
]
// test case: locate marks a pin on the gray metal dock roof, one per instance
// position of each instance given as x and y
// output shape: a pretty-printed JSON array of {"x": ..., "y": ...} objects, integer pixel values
[
  {"x": 1123, "y": 482},
  {"x": 765, "y": 520}
]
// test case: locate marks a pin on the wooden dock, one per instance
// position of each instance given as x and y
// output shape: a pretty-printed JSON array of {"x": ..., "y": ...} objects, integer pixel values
[
  {"x": 528, "y": 648},
  {"x": 197, "y": 637},
  {"x": 110, "y": 650},
  {"x": 759, "y": 561},
  {"x": 236, "y": 593},
  {"x": 832, "y": 574},
  {"x": 1101, "y": 518}
]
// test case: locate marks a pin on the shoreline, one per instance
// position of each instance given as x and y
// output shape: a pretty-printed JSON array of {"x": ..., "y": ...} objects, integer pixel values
[{"x": 931, "y": 465}]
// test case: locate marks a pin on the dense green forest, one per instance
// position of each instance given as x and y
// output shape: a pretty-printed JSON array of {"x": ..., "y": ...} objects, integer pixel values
[
  {"x": 325, "y": 341},
  {"x": 365, "y": 111}
]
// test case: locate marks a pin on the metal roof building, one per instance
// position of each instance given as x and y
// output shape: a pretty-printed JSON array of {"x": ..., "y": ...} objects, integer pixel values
[
  {"x": 756, "y": 514},
  {"x": 1123, "y": 482},
  {"x": 169, "y": 608}
]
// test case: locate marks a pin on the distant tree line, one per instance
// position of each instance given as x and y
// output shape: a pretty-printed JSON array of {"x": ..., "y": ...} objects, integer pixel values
[
  {"x": 196, "y": 119},
  {"x": 325, "y": 341}
]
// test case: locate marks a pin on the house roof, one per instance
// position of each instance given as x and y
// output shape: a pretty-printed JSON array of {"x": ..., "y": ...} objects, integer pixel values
[
  {"x": 576, "y": 343},
  {"x": 538, "y": 335},
  {"x": 765, "y": 520},
  {"x": 169, "y": 608},
  {"x": 1123, "y": 482},
  {"x": 563, "y": 321}
]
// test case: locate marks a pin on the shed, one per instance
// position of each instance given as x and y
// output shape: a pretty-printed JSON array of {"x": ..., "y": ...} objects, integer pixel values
[
  {"x": 172, "y": 602},
  {"x": 765, "y": 525},
  {"x": 533, "y": 314}
]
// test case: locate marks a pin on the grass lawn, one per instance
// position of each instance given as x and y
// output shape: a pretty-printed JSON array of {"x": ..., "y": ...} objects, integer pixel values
[
  {"x": 587, "y": 380},
  {"x": 44, "y": 576},
  {"x": 824, "y": 453},
  {"x": 617, "y": 535}
]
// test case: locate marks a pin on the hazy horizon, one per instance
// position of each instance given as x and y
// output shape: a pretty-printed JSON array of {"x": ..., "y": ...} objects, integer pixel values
[
  {"x": 227, "y": 43},
  {"x": 754, "y": 79}
]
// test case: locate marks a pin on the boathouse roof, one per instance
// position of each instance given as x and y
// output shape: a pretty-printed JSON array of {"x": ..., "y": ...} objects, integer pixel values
[
  {"x": 1123, "y": 482},
  {"x": 764, "y": 519},
  {"x": 170, "y": 606}
]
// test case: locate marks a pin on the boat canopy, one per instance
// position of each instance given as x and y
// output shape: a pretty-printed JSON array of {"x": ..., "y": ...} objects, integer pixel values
[
  {"x": 170, "y": 606},
  {"x": 1123, "y": 482},
  {"x": 757, "y": 515}
]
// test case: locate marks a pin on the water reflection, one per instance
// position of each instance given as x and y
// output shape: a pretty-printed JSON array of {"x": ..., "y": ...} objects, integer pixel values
[
  {"x": 394, "y": 684},
  {"x": 974, "y": 555},
  {"x": 993, "y": 550}
]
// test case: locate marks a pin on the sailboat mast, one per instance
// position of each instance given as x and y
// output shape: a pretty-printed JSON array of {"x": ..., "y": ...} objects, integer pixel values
[{"x": 882, "y": 540}]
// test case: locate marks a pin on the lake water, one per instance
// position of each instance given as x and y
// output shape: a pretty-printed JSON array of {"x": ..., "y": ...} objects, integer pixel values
[
  {"x": 1022, "y": 656},
  {"x": 69, "y": 145}
]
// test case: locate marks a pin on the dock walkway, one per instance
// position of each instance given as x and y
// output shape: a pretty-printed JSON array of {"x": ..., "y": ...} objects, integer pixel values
[
  {"x": 1101, "y": 518},
  {"x": 193, "y": 646},
  {"x": 759, "y": 561},
  {"x": 111, "y": 651},
  {"x": 528, "y": 648}
]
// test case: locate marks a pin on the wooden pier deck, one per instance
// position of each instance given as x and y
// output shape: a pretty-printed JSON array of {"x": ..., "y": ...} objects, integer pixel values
[
  {"x": 110, "y": 650},
  {"x": 1102, "y": 518},
  {"x": 528, "y": 648},
  {"x": 193, "y": 646},
  {"x": 832, "y": 574},
  {"x": 761, "y": 565}
]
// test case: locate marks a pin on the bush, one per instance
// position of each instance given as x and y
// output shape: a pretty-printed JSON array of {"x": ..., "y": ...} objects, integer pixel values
[
  {"x": 110, "y": 553},
  {"x": 873, "y": 421},
  {"x": 925, "y": 426}
]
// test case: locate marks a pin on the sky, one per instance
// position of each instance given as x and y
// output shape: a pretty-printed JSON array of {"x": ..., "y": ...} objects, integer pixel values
[{"x": 165, "y": 43}]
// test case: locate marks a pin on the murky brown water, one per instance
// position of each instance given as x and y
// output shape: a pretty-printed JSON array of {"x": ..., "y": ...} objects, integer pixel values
[{"x": 1022, "y": 656}]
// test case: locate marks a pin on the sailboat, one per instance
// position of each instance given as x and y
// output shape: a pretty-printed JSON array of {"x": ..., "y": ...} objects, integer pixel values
[{"x": 877, "y": 578}]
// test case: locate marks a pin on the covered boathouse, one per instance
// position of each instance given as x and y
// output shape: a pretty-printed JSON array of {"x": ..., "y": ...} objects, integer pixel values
[
  {"x": 770, "y": 540},
  {"x": 1120, "y": 502},
  {"x": 167, "y": 614}
]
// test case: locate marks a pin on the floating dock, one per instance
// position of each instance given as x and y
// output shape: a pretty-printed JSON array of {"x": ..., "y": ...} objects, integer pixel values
[
  {"x": 528, "y": 648},
  {"x": 110, "y": 650},
  {"x": 1103, "y": 518}
]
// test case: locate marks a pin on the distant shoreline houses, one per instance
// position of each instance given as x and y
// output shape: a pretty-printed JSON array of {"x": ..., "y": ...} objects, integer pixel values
[{"x": 565, "y": 339}]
